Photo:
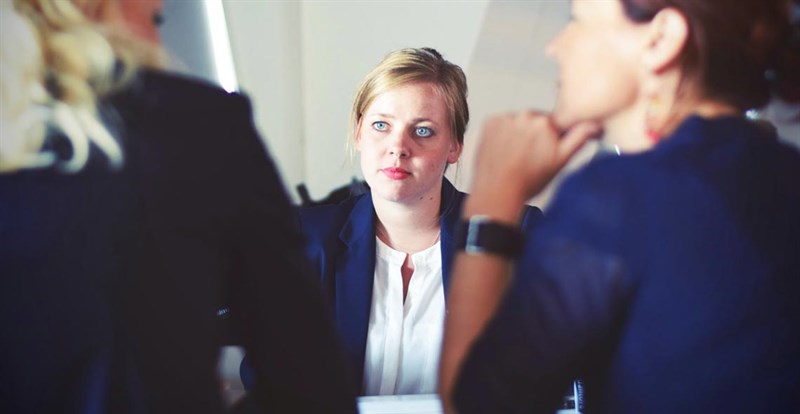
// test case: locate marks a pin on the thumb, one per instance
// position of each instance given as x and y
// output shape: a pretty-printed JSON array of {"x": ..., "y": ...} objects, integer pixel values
[{"x": 575, "y": 138}]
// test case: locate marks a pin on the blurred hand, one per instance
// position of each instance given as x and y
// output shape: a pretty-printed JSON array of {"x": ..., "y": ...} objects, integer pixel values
[{"x": 520, "y": 153}]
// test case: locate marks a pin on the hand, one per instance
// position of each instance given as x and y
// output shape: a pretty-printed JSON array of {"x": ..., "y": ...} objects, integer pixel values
[{"x": 520, "y": 153}]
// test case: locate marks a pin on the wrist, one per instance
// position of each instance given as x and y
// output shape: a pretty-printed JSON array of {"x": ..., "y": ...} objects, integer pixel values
[
  {"x": 500, "y": 206},
  {"x": 480, "y": 235}
]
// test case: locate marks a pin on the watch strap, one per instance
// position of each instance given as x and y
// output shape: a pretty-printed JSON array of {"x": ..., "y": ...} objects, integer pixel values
[{"x": 481, "y": 235}]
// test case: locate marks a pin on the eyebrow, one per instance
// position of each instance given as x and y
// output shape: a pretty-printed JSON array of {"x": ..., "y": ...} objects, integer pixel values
[
  {"x": 415, "y": 120},
  {"x": 382, "y": 115}
]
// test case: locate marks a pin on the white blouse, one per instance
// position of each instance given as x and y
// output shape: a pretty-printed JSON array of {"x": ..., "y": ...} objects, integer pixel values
[{"x": 404, "y": 339}]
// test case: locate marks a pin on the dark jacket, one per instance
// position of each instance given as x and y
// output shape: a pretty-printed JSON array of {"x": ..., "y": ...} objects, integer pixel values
[
  {"x": 111, "y": 280},
  {"x": 341, "y": 248},
  {"x": 669, "y": 280}
]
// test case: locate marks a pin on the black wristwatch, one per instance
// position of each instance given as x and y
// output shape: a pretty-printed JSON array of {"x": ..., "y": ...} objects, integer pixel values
[{"x": 481, "y": 235}]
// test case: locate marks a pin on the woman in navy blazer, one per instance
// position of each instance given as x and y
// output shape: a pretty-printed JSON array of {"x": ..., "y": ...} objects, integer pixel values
[
  {"x": 668, "y": 277},
  {"x": 408, "y": 124}
]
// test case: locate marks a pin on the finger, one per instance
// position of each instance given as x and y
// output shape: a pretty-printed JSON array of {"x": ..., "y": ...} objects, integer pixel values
[{"x": 575, "y": 138}]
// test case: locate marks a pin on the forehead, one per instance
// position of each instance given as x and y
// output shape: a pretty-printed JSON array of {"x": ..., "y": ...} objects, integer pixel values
[
  {"x": 596, "y": 8},
  {"x": 412, "y": 99}
]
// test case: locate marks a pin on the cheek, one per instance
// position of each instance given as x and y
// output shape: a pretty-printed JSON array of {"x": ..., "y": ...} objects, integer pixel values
[
  {"x": 367, "y": 164},
  {"x": 617, "y": 80},
  {"x": 612, "y": 86},
  {"x": 598, "y": 82},
  {"x": 366, "y": 153},
  {"x": 370, "y": 152},
  {"x": 366, "y": 143},
  {"x": 439, "y": 159}
]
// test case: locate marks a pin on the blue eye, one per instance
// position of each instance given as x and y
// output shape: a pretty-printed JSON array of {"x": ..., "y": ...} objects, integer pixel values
[
  {"x": 424, "y": 132},
  {"x": 380, "y": 126}
]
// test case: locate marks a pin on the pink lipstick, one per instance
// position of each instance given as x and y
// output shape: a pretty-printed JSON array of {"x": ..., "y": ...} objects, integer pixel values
[{"x": 395, "y": 173}]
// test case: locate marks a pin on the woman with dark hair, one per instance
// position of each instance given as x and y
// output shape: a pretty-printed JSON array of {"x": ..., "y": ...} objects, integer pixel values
[{"x": 666, "y": 277}]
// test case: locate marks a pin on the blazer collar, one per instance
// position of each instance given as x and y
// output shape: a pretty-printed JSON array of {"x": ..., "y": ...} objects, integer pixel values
[
  {"x": 360, "y": 223},
  {"x": 355, "y": 270},
  {"x": 449, "y": 212}
]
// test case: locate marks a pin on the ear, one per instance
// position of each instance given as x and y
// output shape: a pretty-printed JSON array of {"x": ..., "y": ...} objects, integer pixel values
[
  {"x": 666, "y": 39},
  {"x": 455, "y": 152}
]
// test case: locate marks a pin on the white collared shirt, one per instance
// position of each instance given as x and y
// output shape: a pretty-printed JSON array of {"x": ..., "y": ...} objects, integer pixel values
[{"x": 404, "y": 339}]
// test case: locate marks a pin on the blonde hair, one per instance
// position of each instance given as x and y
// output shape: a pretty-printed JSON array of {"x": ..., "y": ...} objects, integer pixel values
[
  {"x": 55, "y": 65},
  {"x": 413, "y": 65}
]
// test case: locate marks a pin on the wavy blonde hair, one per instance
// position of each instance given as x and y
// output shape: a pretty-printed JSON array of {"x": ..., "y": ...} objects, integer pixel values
[{"x": 55, "y": 63}]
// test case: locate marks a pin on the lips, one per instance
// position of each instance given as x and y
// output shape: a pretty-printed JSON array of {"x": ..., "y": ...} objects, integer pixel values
[{"x": 395, "y": 173}]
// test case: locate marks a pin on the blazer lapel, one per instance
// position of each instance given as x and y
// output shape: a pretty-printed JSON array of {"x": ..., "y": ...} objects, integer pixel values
[
  {"x": 450, "y": 213},
  {"x": 354, "y": 275}
]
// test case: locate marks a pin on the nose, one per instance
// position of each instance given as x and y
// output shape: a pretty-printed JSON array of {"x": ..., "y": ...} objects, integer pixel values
[{"x": 399, "y": 144}]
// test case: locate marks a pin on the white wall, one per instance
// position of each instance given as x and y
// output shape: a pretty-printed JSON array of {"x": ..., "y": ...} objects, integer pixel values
[
  {"x": 342, "y": 41},
  {"x": 509, "y": 71},
  {"x": 301, "y": 61},
  {"x": 185, "y": 34},
  {"x": 266, "y": 45}
]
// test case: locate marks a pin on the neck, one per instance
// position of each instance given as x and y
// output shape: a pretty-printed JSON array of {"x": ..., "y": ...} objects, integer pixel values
[
  {"x": 627, "y": 130},
  {"x": 408, "y": 228},
  {"x": 708, "y": 109},
  {"x": 714, "y": 109}
]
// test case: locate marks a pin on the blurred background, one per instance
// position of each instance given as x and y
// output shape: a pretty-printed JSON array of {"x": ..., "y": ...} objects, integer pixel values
[{"x": 301, "y": 60}]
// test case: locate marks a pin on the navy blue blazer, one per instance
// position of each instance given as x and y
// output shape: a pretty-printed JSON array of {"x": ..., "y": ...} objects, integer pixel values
[
  {"x": 669, "y": 280},
  {"x": 341, "y": 247},
  {"x": 110, "y": 281}
]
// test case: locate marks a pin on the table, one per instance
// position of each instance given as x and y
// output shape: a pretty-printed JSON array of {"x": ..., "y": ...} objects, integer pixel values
[{"x": 408, "y": 404}]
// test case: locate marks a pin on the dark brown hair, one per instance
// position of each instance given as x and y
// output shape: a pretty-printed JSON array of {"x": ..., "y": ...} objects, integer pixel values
[{"x": 739, "y": 51}]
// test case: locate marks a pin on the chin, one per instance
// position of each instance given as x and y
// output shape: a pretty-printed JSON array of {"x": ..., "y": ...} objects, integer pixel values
[
  {"x": 388, "y": 191},
  {"x": 566, "y": 118},
  {"x": 563, "y": 119}
]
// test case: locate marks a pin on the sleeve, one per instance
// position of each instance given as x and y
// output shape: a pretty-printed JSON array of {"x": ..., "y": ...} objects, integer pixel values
[
  {"x": 567, "y": 294},
  {"x": 532, "y": 218},
  {"x": 287, "y": 332}
]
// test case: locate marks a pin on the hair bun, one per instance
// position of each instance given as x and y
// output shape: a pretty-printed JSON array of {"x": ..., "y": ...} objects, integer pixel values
[{"x": 433, "y": 51}]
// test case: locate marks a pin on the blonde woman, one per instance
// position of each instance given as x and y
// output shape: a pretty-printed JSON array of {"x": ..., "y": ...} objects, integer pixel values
[
  {"x": 384, "y": 257},
  {"x": 133, "y": 205}
]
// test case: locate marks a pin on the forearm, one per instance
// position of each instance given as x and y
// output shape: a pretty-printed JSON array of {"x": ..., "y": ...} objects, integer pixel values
[
  {"x": 518, "y": 156},
  {"x": 477, "y": 290}
]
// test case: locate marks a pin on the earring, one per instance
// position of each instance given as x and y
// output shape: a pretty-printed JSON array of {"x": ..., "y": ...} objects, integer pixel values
[{"x": 653, "y": 119}]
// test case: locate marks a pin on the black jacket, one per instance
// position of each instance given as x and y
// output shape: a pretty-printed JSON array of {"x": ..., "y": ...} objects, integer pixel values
[{"x": 111, "y": 281}]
